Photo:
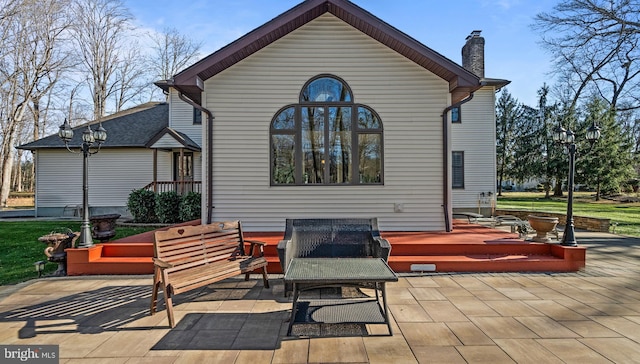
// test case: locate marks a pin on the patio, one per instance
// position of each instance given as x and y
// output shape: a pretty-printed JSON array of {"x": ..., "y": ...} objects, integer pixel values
[{"x": 589, "y": 316}]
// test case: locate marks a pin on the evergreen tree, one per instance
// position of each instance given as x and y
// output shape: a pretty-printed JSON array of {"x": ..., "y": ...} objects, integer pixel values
[
  {"x": 535, "y": 155},
  {"x": 507, "y": 114},
  {"x": 526, "y": 152},
  {"x": 609, "y": 163}
]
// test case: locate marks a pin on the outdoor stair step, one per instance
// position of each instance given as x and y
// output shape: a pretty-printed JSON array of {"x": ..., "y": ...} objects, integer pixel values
[
  {"x": 469, "y": 248},
  {"x": 127, "y": 250},
  {"x": 113, "y": 265},
  {"x": 483, "y": 263}
]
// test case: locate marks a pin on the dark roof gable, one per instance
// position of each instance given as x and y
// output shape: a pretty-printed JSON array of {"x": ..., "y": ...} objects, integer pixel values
[{"x": 461, "y": 81}]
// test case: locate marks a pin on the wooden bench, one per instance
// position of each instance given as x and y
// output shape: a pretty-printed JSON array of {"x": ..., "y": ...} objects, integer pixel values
[{"x": 190, "y": 257}]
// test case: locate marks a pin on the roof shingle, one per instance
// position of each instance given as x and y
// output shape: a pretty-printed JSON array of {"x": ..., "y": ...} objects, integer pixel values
[{"x": 130, "y": 128}]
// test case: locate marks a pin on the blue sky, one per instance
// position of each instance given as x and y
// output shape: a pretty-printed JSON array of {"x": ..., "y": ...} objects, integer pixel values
[{"x": 512, "y": 51}]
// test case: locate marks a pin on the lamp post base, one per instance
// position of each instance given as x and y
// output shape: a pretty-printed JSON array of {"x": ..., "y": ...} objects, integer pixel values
[
  {"x": 85, "y": 240},
  {"x": 569, "y": 238}
]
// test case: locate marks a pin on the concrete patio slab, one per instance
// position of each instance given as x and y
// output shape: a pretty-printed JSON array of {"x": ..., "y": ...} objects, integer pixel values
[{"x": 590, "y": 316}]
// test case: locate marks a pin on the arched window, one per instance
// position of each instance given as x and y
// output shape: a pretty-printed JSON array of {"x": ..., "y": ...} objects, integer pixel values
[{"x": 326, "y": 138}]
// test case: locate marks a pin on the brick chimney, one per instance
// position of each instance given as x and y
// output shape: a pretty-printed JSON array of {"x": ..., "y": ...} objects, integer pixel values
[{"x": 473, "y": 54}]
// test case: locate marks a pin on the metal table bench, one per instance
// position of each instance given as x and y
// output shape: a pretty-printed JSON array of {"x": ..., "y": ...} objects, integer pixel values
[{"x": 312, "y": 273}]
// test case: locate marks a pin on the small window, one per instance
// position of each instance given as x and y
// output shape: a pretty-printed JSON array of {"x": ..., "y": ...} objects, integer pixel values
[
  {"x": 457, "y": 169},
  {"x": 456, "y": 115},
  {"x": 197, "y": 116}
]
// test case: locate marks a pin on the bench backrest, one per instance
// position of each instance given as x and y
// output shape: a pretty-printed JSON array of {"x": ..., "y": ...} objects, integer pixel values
[
  {"x": 325, "y": 238},
  {"x": 193, "y": 245}
]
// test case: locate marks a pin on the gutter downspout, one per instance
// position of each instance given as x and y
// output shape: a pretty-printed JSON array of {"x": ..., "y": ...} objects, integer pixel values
[
  {"x": 210, "y": 118},
  {"x": 445, "y": 154}
]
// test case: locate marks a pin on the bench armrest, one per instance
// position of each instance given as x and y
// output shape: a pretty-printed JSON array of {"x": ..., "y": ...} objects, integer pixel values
[
  {"x": 259, "y": 245},
  {"x": 283, "y": 255},
  {"x": 161, "y": 263},
  {"x": 381, "y": 248}
]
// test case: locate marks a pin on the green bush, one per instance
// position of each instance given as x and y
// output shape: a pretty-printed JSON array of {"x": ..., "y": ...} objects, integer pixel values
[
  {"x": 190, "y": 207},
  {"x": 168, "y": 207},
  {"x": 142, "y": 205}
]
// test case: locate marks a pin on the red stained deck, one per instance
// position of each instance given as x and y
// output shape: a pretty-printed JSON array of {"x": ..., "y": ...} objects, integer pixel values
[{"x": 468, "y": 248}]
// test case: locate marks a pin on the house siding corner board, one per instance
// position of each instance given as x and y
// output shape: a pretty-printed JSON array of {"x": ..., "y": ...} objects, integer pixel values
[
  {"x": 408, "y": 99},
  {"x": 476, "y": 136},
  {"x": 113, "y": 173}
]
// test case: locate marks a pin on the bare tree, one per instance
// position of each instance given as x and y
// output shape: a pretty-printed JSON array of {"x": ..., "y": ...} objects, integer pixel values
[
  {"x": 99, "y": 33},
  {"x": 596, "y": 48},
  {"x": 129, "y": 78},
  {"x": 30, "y": 66},
  {"x": 171, "y": 52}
]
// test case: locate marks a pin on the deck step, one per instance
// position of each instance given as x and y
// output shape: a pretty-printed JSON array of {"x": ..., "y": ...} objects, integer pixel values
[
  {"x": 400, "y": 264},
  {"x": 482, "y": 263},
  {"x": 113, "y": 266},
  {"x": 468, "y": 249}
]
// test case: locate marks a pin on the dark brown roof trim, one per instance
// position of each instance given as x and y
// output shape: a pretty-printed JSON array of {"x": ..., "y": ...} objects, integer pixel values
[
  {"x": 495, "y": 82},
  {"x": 461, "y": 81}
]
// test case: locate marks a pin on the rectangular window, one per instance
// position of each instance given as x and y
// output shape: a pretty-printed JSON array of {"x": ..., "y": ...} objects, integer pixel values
[
  {"x": 313, "y": 147},
  {"x": 456, "y": 115},
  {"x": 370, "y": 158},
  {"x": 340, "y": 140},
  {"x": 457, "y": 169},
  {"x": 284, "y": 161},
  {"x": 197, "y": 116}
]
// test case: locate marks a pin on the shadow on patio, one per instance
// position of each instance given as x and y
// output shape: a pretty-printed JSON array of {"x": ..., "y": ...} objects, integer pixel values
[{"x": 126, "y": 308}]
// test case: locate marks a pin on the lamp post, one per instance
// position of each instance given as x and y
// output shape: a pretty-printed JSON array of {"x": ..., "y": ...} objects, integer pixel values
[
  {"x": 567, "y": 138},
  {"x": 89, "y": 138}
]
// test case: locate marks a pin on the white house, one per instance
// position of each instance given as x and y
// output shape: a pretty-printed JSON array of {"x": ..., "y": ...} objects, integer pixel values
[
  {"x": 141, "y": 150},
  {"x": 324, "y": 111}
]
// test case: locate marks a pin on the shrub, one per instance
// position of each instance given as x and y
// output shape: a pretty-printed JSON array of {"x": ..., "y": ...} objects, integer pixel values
[
  {"x": 168, "y": 207},
  {"x": 142, "y": 205},
  {"x": 190, "y": 207}
]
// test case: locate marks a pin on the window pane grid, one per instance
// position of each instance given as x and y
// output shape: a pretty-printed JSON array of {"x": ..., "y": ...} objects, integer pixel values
[{"x": 329, "y": 136}]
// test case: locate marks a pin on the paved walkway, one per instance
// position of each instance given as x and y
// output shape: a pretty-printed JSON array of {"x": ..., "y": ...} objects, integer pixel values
[{"x": 592, "y": 316}]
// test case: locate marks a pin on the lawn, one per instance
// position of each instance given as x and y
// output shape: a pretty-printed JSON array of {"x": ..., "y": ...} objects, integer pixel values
[
  {"x": 20, "y": 248},
  {"x": 626, "y": 215}
]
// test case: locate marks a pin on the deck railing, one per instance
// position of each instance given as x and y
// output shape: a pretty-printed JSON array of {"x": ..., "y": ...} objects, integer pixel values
[{"x": 181, "y": 187}]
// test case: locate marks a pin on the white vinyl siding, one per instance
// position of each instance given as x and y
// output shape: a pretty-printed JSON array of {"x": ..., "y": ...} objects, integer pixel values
[
  {"x": 408, "y": 99},
  {"x": 113, "y": 174},
  {"x": 167, "y": 142},
  {"x": 181, "y": 118},
  {"x": 476, "y": 137}
]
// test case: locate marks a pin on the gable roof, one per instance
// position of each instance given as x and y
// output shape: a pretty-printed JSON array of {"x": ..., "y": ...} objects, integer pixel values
[
  {"x": 133, "y": 127},
  {"x": 191, "y": 80},
  {"x": 180, "y": 139}
]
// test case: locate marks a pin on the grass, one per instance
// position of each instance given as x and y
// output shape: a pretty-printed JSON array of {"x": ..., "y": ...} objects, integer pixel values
[
  {"x": 626, "y": 216},
  {"x": 20, "y": 248}
]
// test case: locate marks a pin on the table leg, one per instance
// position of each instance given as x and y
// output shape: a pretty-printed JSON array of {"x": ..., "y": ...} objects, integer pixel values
[
  {"x": 386, "y": 308},
  {"x": 294, "y": 308}
]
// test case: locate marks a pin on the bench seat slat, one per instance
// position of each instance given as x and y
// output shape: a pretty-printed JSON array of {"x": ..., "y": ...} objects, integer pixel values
[{"x": 204, "y": 275}]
